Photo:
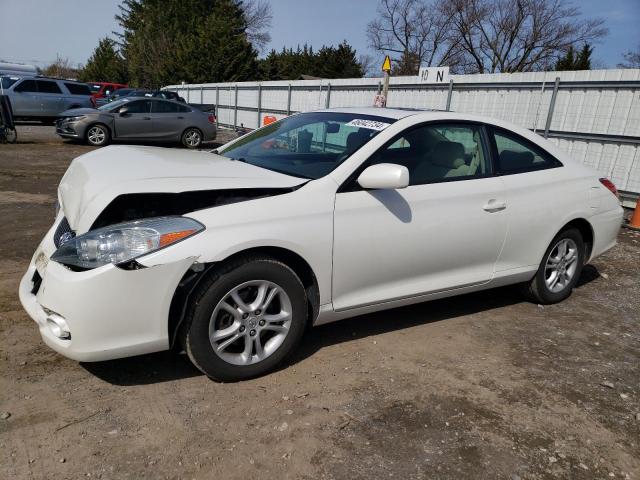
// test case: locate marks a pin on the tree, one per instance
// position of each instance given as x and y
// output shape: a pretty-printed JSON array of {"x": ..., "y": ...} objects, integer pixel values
[
  {"x": 632, "y": 59},
  {"x": 258, "y": 16},
  {"x": 328, "y": 62},
  {"x": 105, "y": 64},
  {"x": 169, "y": 41},
  {"x": 413, "y": 33},
  {"x": 518, "y": 36},
  {"x": 479, "y": 36},
  {"x": 61, "y": 68},
  {"x": 573, "y": 61},
  {"x": 368, "y": 65}
]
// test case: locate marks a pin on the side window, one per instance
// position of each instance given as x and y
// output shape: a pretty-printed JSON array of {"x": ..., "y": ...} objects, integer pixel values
[
  {"x": 183, "y": 108},
  {"x": 517, "y": 155},
  {"x": 164, "y": 107},
  {"x": 141, "y": 106},
  {"x": 438, "y": 152},
  {"x": 48, "y": 86},
  {"x": 77, "y": 88},
  {"x": 26, "y": 86}
]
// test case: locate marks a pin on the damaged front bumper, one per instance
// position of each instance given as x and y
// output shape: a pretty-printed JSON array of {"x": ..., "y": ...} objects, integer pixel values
[{"x": 109, "y": 312}]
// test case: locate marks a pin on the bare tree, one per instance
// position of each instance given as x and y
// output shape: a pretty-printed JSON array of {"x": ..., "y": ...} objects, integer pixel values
[
  {"x": 367, "y": 64},
  {"x": 413, "y": 33},
  {"x": 61, "y": 68},
  {"x": 521, "y": 35},
  {"x": 479, "y": 36},
  {"x": 258, "y": 15},
  {"x": 632, "y": 59}
]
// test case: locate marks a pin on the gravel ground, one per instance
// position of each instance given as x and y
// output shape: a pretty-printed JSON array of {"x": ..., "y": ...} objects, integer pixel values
[{"x": 479, "y": 386}]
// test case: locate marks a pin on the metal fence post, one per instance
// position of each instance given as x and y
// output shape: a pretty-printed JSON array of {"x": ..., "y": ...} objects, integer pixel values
[
  {"x": 327, "y": 101},
  {"x": 449, "y": 94},
  {"x": 552, "y": 105},
  {"x": 188, "y": 92},
  {"x": 235, "y": 108},
  {"x": 289, "y": 101},
  {"x": 259, "y": 102},
  {"x": 217, "y": 100},
  {"x": 201, "y": 94}
]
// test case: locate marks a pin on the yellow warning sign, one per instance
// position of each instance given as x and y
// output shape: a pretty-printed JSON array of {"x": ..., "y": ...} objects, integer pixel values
[{"x": 386, "y": 66}]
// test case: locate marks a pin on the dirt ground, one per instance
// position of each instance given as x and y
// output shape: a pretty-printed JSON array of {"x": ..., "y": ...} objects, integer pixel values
[{"x": 480, "y": 386}]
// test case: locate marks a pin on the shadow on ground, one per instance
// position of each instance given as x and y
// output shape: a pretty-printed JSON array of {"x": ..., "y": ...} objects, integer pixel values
[{"x": 169, "y": 366}]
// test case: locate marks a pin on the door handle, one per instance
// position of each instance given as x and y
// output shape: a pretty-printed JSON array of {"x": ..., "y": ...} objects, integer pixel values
[{"x": 494, "y": 206}]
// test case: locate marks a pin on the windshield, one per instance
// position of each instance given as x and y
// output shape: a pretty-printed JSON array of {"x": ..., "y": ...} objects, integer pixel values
[
  {"x": 308, "y": 145},
  {"x": 114, "y": 105}
]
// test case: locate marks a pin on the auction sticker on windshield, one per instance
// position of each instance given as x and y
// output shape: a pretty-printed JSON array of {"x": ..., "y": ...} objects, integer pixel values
[{"x": 370, "y": 124}]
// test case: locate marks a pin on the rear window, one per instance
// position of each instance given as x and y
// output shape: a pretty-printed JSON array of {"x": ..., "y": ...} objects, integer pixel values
[
  {"x": 48, "y": 86},
  {"x": 94, "y": 87},
  {"x": 78, "y": 88}
]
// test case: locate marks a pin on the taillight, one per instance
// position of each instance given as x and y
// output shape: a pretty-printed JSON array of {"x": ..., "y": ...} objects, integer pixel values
[
  {"x": 211, "y": 118},
  {"x": 609, "y": 184}
]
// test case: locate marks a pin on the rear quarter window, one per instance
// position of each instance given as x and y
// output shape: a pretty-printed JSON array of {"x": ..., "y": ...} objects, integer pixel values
[
  {"x": 78, "y": 88},
  {"x": 516, "y": 154}
]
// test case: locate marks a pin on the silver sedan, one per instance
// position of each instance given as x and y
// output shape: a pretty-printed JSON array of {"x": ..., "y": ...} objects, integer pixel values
[{"x": 138, "y": 119}]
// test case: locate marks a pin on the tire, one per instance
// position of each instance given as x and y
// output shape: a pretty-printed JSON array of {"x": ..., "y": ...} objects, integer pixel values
[
  {"x": 97, "y": 135},
  {"x": 240, "y": 327},
  {"x": 191, "y": 137},
  {"x": 550, "y": 285}
]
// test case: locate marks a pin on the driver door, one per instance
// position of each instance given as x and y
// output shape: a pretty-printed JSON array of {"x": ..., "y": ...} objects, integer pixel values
[
  {"x": 133, "y": 120},
  {"x": 444, "y": 231}
]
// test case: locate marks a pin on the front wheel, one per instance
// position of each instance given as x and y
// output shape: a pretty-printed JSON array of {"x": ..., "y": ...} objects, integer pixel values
[
  {"x": 192, "y": 138},
  {"x": 559, "y": 270},
  {"x": 97, "y": 135},
  {"x": 245, "y": 319}
]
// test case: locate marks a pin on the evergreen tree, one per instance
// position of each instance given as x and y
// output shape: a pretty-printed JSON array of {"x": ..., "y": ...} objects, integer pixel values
[
  {"x": 196, "y": 41},
  {"x": 105, "y": 64},
  {"x": 573, "y": 61},
  {"x": 328, "y": 62}
]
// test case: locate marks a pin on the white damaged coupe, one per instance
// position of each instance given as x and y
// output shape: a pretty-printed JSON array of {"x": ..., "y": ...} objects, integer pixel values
[{"x": 232, "y": 254}]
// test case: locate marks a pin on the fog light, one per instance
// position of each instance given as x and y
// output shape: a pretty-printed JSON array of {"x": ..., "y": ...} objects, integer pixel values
[{"x": 58, "y": 326}]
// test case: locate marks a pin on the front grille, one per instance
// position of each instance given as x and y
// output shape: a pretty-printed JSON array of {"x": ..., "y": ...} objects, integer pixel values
[{"x": 63, "y": 228}]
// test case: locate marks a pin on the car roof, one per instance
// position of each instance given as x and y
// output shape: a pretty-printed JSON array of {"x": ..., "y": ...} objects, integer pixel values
[{"x": 396, "y": 113}]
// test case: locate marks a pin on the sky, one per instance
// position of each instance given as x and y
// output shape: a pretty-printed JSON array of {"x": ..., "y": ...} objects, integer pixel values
[{"x": 35, "y": 31}]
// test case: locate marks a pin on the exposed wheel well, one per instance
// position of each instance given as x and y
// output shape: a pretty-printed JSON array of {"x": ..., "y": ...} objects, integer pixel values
[
  {"x": 585, "y": 229},
  {"x": 294, "y": 261}
]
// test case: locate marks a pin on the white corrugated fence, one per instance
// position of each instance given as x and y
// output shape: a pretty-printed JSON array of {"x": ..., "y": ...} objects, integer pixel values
[{"x": 594, "y": 115}]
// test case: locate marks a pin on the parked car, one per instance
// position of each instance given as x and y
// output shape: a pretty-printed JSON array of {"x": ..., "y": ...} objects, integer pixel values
[
  {"x": 43, "y": 98},
  {"x": 141, "y": 92},
  {"x": 138, "y": 119},
  {"x": 232, "y": 254},
  {"x": 104, "y": 89}
]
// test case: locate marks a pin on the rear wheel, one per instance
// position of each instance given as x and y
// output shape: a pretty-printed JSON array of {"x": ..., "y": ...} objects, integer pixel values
[
  {"x": 97, "y": 135},
  {"x": 245, "y": 319},
  {"x": 192, "y": 138},
  {"x": 559, "y": 270}
]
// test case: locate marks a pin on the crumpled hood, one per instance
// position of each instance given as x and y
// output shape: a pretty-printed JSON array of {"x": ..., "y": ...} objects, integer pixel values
[{"x": 94, "y": 179}]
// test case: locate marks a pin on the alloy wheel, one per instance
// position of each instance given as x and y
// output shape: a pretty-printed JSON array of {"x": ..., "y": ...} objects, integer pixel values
[
  {"x": 250, "y": 322},
  {"x": 561, "y": 265},
  {"x": 192, "y": 138},
  {"x": 96, "y": 135}
]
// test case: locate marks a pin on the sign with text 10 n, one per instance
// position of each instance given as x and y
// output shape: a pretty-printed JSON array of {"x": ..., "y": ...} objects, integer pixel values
[{"x": 433, "y": 75}]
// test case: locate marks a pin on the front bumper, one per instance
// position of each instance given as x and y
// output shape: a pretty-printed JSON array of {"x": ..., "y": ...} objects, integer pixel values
[
  {"x": 111, "y": 312},
  {"x": 67, "y": 129}
]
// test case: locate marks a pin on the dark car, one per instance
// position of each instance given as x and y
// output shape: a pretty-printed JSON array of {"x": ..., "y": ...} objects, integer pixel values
[{"x": 139, "y": 119}]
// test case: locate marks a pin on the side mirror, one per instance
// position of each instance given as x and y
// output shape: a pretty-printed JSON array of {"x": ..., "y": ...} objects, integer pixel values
[
  {"x": 384, "y": 176},
  {"x": 123, "y": 111}
]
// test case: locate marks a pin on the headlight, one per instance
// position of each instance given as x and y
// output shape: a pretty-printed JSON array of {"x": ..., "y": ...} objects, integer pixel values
[
  {"x": 125, "y": 241},
  {"x": 75, "y": 119}
]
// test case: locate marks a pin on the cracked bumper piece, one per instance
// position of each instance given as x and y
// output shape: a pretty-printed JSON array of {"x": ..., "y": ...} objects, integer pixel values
[{"x": 109, "y": 312}]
